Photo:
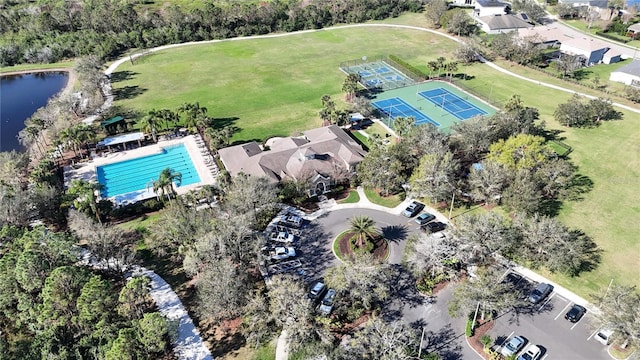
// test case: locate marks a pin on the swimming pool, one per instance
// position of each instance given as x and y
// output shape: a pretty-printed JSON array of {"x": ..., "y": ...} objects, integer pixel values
[{"x": 138, "y": 174}]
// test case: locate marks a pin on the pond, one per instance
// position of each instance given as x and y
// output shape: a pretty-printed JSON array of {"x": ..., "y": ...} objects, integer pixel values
[{"x": 20, "y": 97}]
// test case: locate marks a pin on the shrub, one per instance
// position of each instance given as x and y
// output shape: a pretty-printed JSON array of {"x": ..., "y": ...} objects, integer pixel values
[
  {"x": 469, "y": 330},
  {"x": 367, "y": 247},
  {"x": 406, "y": 67},
  {"x": 486, "y": 340},
  {"x": 428, "y": 282}
]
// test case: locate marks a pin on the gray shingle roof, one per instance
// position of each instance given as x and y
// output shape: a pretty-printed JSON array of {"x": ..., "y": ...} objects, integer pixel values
[
  {"x": 499, "y": 22},
  {"x": 633, "y": 68}
]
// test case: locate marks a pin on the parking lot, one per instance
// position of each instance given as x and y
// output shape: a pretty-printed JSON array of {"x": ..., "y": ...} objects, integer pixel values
[{"x": 544, "y": 325}]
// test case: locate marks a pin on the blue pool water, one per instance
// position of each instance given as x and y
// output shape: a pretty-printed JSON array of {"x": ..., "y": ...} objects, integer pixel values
[{"x": 138, "y": 174}]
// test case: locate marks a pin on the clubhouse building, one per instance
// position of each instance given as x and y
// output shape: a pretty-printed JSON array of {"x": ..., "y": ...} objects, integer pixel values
[{"x": 322, "y": 156}]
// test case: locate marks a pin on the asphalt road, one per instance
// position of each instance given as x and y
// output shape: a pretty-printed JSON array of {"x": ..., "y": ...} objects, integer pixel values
[{"x": 544, "y": 325}]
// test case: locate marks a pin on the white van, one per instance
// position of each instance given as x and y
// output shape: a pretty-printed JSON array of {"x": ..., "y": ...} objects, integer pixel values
[{"x": 604, "y": 336}]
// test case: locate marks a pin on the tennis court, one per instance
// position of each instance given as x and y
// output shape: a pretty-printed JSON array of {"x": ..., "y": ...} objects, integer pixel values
[
  {"x": 424, "y": 102},
  {"x": 378, "y": 75},
  {"x": 452, "y": 103},
  {"x": 396, "y": 107}
]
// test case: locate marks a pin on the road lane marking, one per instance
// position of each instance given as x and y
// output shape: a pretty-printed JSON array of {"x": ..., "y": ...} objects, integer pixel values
[{"x": 563, "y": 310}]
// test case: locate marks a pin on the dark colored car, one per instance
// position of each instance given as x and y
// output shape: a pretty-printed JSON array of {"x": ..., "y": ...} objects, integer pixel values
[
  {"x": 576, "y": 313},
  {"x": 425, "y": 218},
  {"x": 318, "y": 289},
  {"x": 433, "y": 227},
  {"x": 327, "y": 303},
  {"x": 540, "y": 292},
  {"x": 413, "y": 209},
  {"x": 512, "y": 278}
]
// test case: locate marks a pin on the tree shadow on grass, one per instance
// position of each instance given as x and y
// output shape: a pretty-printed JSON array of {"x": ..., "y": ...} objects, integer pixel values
[
  {"x": 219, "y": 123},
  {"x": 122, "y": 76},
  {"x": 128, "y": 92}
]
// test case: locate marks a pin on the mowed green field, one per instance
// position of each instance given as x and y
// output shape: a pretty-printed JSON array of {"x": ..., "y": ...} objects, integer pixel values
[{"x": 273, "y": 86}]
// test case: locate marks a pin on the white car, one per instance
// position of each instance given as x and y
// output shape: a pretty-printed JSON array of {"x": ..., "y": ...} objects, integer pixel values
[
  {"x": 282, "y": 237},
  {"x": 532, "y": 352},
  {"x": 281, "y": 253},
  {"x": 603, "y": 336}
]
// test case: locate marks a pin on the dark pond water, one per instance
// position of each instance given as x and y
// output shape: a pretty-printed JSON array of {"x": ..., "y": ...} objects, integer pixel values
[{"x": 20, "y": 97}]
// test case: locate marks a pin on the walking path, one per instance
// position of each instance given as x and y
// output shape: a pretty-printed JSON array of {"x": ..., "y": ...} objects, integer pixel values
[{"x": 187, "y": 343}]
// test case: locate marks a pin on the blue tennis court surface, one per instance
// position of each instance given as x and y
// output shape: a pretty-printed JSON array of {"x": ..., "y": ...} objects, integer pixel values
[
  {"x": 452, "y": 103},
  {"x": 396, "y": 107}
]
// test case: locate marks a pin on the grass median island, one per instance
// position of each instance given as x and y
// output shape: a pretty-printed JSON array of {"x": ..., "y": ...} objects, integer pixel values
[{"x": 269, "y": 87}]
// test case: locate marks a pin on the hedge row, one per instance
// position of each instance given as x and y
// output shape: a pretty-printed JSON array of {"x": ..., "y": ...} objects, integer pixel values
[
  {"x": 409, "y": 69},
  {"x": 611, "y": 37}
]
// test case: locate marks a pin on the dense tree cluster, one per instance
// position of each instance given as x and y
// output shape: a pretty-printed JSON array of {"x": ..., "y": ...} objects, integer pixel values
[
  {"x": 580, "y": 113},
  {"x": 47, "y": 33},
  {"x": 52, "y": 308}
]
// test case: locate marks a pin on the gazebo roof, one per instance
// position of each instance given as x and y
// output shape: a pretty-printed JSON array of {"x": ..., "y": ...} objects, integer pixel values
[{"x": 113, "y": 120}]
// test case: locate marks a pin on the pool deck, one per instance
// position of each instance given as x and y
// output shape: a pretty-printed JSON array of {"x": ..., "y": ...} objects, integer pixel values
[{"x": 202, "y": 160}]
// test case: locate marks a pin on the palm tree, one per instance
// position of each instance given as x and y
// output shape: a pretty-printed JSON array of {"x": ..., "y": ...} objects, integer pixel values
[
  {"x": 164, "y": 184},
  {"x": 85, "y": 196},
  {"x": 350, "y": 86},
  {"x": 363, "y": 228},
  {"x": 195, "y": 115},
  {"x": 150, "y": 124}
]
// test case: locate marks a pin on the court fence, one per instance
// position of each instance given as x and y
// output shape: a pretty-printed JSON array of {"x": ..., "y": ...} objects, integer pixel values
[
  {"x": 484, "y": 91},
  {"x": 377, "y": 83}
]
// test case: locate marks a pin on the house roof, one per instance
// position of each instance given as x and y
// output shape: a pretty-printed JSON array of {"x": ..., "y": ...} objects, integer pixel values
[
  {"x": 634, "y": 27},
  {"x": 586, "y": 44},
  {"x": 632, "y": 68},
  {"x": 506, "y": 21},
  {"x": 319, "y": 151},
  {"x": 120, "y": 139},
  {"x": 546, "y": 34},
  {"x": 491, "y": 3}
]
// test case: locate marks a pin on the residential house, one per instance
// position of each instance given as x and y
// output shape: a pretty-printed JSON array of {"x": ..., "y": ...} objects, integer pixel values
[
  {"x": 490, "y": 7},
  {"x": 591, "y": 50},
  {"x": 601, "y": 4},
  {"x": 503, "y": 23},
  {"x": 545, "y": 35},
  {"x": 634, "y": 30},
  {"x": 320, "y": 156},
  {"x": 628, "y": 74}
]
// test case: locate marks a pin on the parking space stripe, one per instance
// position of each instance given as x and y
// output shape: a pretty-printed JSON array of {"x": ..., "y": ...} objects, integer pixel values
[
  {"x": 563, "y": 310},
  {"x": 544, "y": 357},
  {"x": 578, "y": 322},
  {"x": 507, "y": 338},
  {"x": 546, "y": 302},
  {"x": 592, "y": 334},
  {"x": 562, "y": 298}
]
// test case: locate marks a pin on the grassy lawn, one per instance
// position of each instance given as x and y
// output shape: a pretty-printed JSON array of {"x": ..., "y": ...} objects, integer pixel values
[
  {"x": 376, "y": 128},
  {"x": 363, "y": 140},
  {"x": 353, "y": 197},
  {"x": 273, "y": 87},
  {"x": 141, "y": 222},
  {"x": 264, "y": 87},
  {"x": 389, "y": 201},
  {"x": 24, "y": 67}
]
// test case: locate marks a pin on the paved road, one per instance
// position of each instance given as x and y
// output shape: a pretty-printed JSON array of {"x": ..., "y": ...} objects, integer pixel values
[{"x": 544, "y": 325}]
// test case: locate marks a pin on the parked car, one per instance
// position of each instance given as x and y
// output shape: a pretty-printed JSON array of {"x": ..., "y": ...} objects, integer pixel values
[
  {"x": 533, "y": 352},
  {"x": 292, "y": 220},
  {"x": 317, "y": 291},
  {"x": 281, "y": 253},
  {"x": 282, "y": 236},
  {"x": 327, "y": 303},
  {"x": 575, "y": 313},
  {"x": 433, "y": 227},
  {"x": 413, "y": 209},
  {"x": 424, "y": 218},
  {"x": 540, "y": 292},
  {"x": 512, "y": 278},
  {"x": 604, "y": 336},
  {"x": 512, "y": 346}
]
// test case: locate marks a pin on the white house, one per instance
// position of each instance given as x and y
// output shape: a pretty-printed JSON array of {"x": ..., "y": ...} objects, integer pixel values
[
  {"x": 503, "y": 23},
  {"x": 592, "y": 50},
  {"x": 628, "y": 74},
  {"x": 490, "y": 7}
]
